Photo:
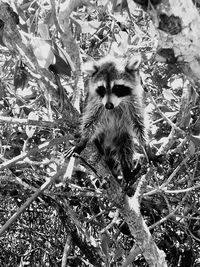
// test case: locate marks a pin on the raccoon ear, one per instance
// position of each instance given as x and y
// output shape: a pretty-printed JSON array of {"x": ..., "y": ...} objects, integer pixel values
[
  {"x": 90, "y": 67},
  {"x": 133, "y": 64}
]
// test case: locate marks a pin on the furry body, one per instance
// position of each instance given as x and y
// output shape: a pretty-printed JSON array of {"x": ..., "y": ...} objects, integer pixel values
[{"x": 114, "y": 113}]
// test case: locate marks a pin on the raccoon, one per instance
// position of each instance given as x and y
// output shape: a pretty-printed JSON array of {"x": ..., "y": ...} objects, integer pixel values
[{"x": 114, "y": 113}]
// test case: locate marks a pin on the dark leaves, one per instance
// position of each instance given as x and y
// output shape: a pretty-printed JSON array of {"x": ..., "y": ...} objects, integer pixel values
[
  {"x": 63, "y": 64},
  {"x": 170, "y": 24},
  {"x": 20, "y": 76}
]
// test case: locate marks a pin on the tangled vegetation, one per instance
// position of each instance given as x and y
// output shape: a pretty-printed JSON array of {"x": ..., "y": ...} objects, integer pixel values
[{"x": 42, "y": 222}]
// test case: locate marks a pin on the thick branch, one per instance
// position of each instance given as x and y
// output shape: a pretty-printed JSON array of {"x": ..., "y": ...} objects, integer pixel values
[
  {"x": 13, "y": 41},
  {"x": 178, "y": 26},
  {"x": 129, "y": 207},
  {"x": 41, "y": 147}
]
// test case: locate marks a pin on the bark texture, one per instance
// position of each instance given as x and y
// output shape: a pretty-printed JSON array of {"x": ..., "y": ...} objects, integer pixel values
[
  {"x": 178, "y": 27},
  {"x": 129, "y": 207}
]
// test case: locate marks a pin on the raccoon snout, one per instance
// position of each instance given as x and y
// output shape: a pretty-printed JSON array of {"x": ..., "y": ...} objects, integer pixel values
[{"x": 109, "y": 105}]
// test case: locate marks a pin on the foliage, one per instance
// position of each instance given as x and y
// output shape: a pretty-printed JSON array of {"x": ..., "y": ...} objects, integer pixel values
[{"x": 78, "y": 222}]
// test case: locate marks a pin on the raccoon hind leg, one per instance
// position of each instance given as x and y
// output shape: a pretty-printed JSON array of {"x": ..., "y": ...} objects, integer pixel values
[
  {"x": 125, "y": 155},
  {"x": 108, "y": 155},
  {"x": 98, "y": 143}
]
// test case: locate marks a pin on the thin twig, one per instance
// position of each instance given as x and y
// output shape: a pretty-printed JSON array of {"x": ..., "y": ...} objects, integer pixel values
[
  {"x": 180, "y": 191},
  {"x": 174, "y": 173},
  {"x": 110, "y": 225},
  {"x": 89, "y": 165},
  {"x": 23, "y": 155},
  {"x": 53, "y": 5},
  {"x": 67, "y": 250},
  {"x": 16, "y": 215},
  {"x": 170, "y": 214},
  {"x": 39, "y": 123},
  {"x": 163, "y": 115}
]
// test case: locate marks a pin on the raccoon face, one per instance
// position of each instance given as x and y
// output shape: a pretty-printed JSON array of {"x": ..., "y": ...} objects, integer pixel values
[
  {"x": 113, "y": 98},
  {"x": 112, "y": 80}
]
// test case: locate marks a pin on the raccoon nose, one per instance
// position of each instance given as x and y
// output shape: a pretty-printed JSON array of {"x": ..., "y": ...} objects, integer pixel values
[{"x": 109, "y": 105}]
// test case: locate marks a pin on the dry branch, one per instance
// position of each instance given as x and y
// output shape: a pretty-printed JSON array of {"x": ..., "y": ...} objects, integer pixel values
[
  {"x": 71, "y": 47},
  {"x": 41, "y": 147},
  {"x": 178, "y": 25},
  {"x": 39, "y": 123},
  {"x": 129, "y": 207},
  {"x": 16, "y": 215},
  {"x": 14, "y": 42},
  {"x": 67, "y": 250}
]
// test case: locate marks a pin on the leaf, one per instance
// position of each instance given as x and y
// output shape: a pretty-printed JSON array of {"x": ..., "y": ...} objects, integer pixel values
[
  {"x": 103, "y": 2},
  {"x": 119, "y": 17},
  {"x": 191, "y": 147},
  {"x": 63, "y": 64},
  {"x": 43, "y": 51},
  {"x": 122, "y": 39},
  {"x": 164, "y": 108},
  {"x": 105, "y": 242},
  {"x": 120, "y": 46},
  {"x": 29, "y": 92},
  {"x": 161, "y": 141},
  {"x": 30, "y": 130},
  {"x": 52, "y": 168},
  {"x": 196, "y": 127},
  {"x": 88, "y": 26},
  {"x": 43, "y": 30},
  {"x": 196, "y": 140},
  {"x": 169, "y": 95},
  {"x": 186, "y": 121},
  {"x": 171, "y": 114},
  {"x": 20, "y": 76},
  {"x": 135, "y": 40},
  {"x": 68, "y": 174},
  {"x": 32, "y": 27},
  {"x": 119, "y": 252}
]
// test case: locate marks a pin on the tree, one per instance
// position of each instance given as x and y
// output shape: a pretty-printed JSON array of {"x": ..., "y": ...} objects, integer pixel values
[{"x": 92, "y": 220}]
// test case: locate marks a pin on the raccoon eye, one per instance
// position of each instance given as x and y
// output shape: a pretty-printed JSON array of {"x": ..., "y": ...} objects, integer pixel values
[
  {"x": 121, "y": 90},
  {"x": 101, "y": 91}
]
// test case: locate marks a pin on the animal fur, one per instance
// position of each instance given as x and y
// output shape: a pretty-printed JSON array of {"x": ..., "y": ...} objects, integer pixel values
[{"x": 114, "y": 113}]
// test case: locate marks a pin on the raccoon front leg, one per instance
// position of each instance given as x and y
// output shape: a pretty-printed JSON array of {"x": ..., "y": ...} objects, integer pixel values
[
  {"x": 140, "y": 129},
  {"x": 125, "y": 155},
  {"x": 112, "y": 165},
  {"x": 80, "y": 146},
  {"x": 142, "y": 135},
  {"x": 90, "y": 119},
  {"x": 136, "y": 120},
  {"x": 87, "y": 132}
]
